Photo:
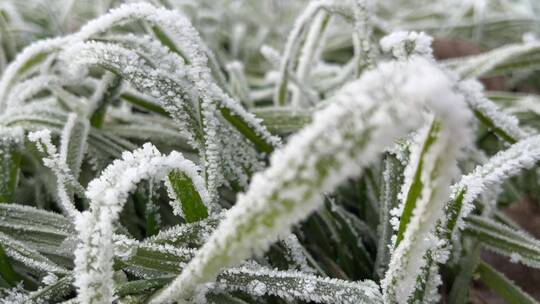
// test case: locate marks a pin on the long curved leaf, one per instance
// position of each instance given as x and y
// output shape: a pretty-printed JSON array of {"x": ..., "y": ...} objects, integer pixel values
[{"x": 516, "y": 244}]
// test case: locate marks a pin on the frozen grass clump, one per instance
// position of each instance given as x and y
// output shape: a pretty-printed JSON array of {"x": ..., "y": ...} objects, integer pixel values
[{"x": 310, "y": 151}]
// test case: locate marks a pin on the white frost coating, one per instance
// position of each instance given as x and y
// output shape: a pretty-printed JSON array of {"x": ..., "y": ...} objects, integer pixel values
[
  {"x": 336, "y": 146},
  {"x": 238, "y": 81},
  {"x": 363, "y": 12},
  {"x": 76, "y": 130},
  {"x": 529, "y": 37},
  {"x": 175, "y": 202},
  {"x": 173, "y": 23},
  {"x": 20, "y": 252},
  {"x": 309, "y": 50},
  {"x": 27, "y": 89},
  {"x": 17, "y": 217},
  {"x": 108, "y": 193},
  {"x": 314, "y": 40},
  {"x": 297, "y": 254},
  {"x": 295, "y": 285},
  {"x": 271, "y": 55},
  {"x": 43, "y": 137},
  {"x": 474, "y": 95},
  {"x": 191, "y": 46},
  {"x": 122, "y": 14},
  {"x": 49, "y": 279},
  {"x": 292, "y": 46},
  {"x": 30, "y": 52},
  {"x": 179, "y": 86},
  {"x": 432, "y": 282},
  {"x": 15, "y": 295},
  {"x": 124, "y": 247},
  {"x": 11, "y": 139},
  {"x": 391, "y": 178},
  {"x": 212, "y": 147},
  {"x": 133, "y": 68},
  {"x": 485, "y": 63},
  {"x": 522, "y": 155},
  {"x": 57, "y": 164},
  {"x": 405, "y": 44},
  {"x": 188, "y": 234},
  {"x": 502, "y": 239}
]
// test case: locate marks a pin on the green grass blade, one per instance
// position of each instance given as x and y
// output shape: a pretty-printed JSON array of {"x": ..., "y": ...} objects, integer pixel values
[
  {"x": 193, "y": 207},
  {"x": 516, "y": 244},
  {"x": 502, "y": 286},
  {"x": 73, "y": 143},
  {"x": 6, "y": 270},
  {"x": 167, "y": 41},
  {"x": 191, "y": 235},
  {"x": 143, "y": 102},
  {"x": 36, "y": 118},
  {"x": 283, "y": 120},
  {"x": 28, "y": 257},
  {"x": 10, "y": 144},
  {"x": 243, "y": 127},
  {"x": 485, "y": 120},
  {"x": 467, "y": 264},
  {"x": 297, "y": 285},
  {"x": 415, "y": 190},
  {"x": 39, "y": 230},
  {"x": 503, "y": 60},
  {"x": 54, "y": 292},
  {"x": 153, "y": 260},
  {"x": 140, "y": 286},
  {"x": 390, "y": 187},
  {"x": 108, "y": 90}
]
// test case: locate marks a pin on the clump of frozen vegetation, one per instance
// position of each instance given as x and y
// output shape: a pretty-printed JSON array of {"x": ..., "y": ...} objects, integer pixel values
[{"x": 309, "y": 151}]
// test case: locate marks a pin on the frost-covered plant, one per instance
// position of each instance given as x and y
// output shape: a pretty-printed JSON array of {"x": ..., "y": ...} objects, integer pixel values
[{"x": 310, "y": 151}]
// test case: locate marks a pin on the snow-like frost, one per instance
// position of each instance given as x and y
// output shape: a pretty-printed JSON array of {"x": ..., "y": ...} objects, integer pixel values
[{"x": 405, "y": 44}]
